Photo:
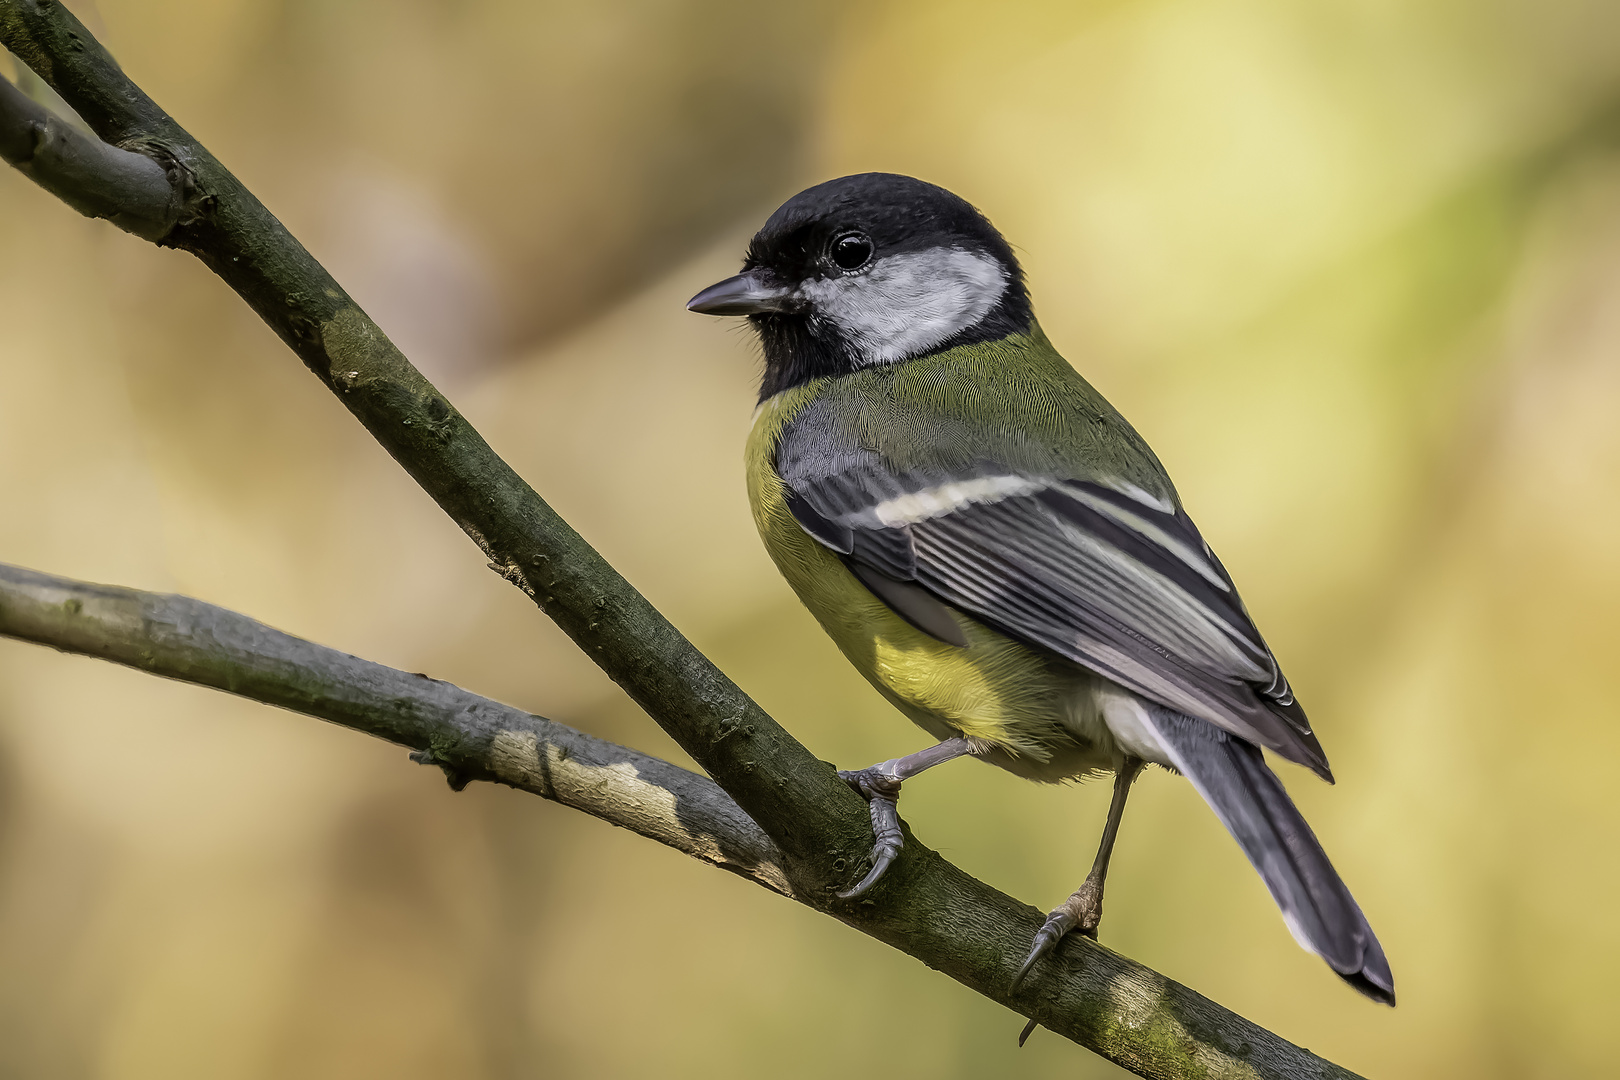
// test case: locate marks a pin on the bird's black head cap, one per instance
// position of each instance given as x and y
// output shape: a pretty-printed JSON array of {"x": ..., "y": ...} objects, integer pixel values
[{"x": 870, "y": 269}]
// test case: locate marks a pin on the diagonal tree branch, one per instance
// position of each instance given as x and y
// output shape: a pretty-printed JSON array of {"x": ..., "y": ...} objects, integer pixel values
[
  {"x": 925, "y": 906},
  {"x": 470, "y": 737}
]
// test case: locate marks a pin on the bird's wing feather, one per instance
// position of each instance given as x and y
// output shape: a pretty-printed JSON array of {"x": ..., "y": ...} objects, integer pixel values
[{"x": 1107, "y": 576}]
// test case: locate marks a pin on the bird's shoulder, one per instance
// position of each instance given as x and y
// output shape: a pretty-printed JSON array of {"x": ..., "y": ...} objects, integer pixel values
[{"x": 1011, "y": 407}]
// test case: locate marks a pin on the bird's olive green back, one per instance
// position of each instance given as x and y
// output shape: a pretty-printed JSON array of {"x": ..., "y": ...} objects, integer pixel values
[{"x": 1014, "y": 403}]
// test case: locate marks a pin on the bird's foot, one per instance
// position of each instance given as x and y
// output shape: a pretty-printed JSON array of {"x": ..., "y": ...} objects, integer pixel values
[
  {"x": 1082, "y": 912},
  {"x": 881, "y": 790}
]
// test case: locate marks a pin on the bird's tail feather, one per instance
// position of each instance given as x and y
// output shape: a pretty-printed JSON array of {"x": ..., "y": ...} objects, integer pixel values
[{"x": 1233, "y": 778}]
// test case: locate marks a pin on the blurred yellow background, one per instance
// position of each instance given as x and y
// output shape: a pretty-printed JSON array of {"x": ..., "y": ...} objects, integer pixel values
[{"x": 1352, "y": 267}]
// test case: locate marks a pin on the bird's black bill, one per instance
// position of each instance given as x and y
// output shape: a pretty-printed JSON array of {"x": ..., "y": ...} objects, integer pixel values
[{"x": 745, "y": 294}]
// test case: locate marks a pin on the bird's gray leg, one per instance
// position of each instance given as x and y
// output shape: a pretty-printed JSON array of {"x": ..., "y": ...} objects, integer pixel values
[
  {"x": 1083, "y": 910},
  {"x": 879, "y": 785}
]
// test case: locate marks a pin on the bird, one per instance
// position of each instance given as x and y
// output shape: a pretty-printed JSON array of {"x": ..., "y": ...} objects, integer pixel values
[{"x": 1000, "y": 553}]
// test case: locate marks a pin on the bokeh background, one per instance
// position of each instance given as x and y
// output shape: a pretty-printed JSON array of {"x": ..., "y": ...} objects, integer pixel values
[{"x": 1353, "y": 267}]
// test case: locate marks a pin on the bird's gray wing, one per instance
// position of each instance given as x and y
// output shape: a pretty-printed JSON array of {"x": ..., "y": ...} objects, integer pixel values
[{"x": 1112, "y": 579}]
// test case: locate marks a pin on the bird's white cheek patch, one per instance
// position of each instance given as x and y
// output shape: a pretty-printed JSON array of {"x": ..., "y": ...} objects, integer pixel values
[{"x": 907, "y": 304}]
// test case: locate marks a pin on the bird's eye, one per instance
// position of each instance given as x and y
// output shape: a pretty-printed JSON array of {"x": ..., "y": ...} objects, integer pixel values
[{"x": 852, "y": 251}]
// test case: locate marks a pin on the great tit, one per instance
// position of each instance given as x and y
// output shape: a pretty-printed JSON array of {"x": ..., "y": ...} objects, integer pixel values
[{"x": 999, "y": 552}]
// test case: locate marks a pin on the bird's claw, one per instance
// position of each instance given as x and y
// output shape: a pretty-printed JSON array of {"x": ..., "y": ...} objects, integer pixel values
[
  {"x": 1057, "y": 924},
  {"x": 1086, "y": 905},
  {"x": 1082, "y": 912},
  {"x": 881, "y": 792},
  {"x": 872, "y": 783}
]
